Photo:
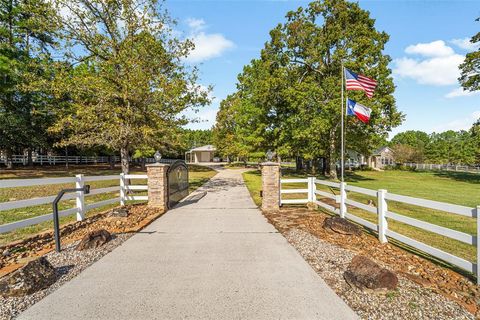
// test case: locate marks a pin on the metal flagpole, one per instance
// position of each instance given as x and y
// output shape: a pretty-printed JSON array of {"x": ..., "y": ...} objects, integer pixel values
[{"x": 342, "y": 137}]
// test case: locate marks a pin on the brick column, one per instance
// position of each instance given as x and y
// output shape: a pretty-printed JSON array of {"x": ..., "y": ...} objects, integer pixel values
[
  {"x": 158, "y": 186},
  {"x": 270, "y": 186}
]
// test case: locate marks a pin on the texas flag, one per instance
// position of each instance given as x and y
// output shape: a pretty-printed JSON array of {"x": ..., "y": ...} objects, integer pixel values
[{"x": 358, "y": 110}]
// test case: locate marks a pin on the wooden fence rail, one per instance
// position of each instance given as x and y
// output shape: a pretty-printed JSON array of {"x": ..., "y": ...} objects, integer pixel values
[
  {"x": 443, "y": 167},
  {"x": 81, "y": 208},
  {"x": 383, "y": 214},
  {"x": 53, "y": 160}
]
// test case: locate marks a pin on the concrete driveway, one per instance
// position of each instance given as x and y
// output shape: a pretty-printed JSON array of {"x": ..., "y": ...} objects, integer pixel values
[{"x": 212, "y": 257}]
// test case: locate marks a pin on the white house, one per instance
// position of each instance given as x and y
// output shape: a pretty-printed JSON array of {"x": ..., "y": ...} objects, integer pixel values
[
  {"x": 378, "y": 160},
  {"x": 200, "y": 154},
  {"x": 354, "y": 159}
]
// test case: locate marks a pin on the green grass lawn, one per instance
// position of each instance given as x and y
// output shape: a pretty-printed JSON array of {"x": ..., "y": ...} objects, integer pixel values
[
  {"x": 451, "y": 187},
  {"x": 198, "y": 175}
]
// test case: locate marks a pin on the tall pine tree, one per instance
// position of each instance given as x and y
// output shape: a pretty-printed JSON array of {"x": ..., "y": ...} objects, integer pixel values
[{"x": 27, "y": 33}]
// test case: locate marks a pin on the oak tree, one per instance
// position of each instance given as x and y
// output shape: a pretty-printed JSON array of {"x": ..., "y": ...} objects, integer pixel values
[
  {"x": 470, "y": 68},
  {"x": 128, "y": 85}
]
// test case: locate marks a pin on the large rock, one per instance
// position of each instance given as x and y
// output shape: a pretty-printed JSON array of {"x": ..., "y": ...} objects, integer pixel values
[
  {"x": 34, "y": 276},
  {"x": 120, "y": 212},
  {"x": 365, "y": 274},
  {"x": 94, "y": 239},
  {"x": 342, "y": 226}
]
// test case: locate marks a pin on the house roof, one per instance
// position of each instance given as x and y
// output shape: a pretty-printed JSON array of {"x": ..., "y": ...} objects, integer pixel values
[
  {"x": 207, "y": 147},
  {"x": 380, "y": 150}
]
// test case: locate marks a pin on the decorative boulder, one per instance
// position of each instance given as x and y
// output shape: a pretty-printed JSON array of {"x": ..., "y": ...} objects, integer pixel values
[
  {"x": 342, "y": 226},
  {"x": 94, "y": 239},
  {"x": 120, "y": 212},
  {"x": 36, "y": 275},
  {"x": 365, "y": 274}
]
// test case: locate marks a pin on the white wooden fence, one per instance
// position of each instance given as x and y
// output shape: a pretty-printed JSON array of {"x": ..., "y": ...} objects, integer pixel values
[
  {"x": 383, "y": 213},
  {"x": 81, "y": 207},
  {"x": 53, "y": 160},
  {"x": 443, "y": 167}
]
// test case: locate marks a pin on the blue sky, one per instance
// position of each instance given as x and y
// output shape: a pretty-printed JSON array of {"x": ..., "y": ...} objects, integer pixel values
[{"x": 427, "y": 42}]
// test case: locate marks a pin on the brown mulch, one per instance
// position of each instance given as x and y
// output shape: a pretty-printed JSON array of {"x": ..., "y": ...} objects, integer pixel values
[
  {"x": 415, "y": 268},
  {"x": 16, "y": 254}
]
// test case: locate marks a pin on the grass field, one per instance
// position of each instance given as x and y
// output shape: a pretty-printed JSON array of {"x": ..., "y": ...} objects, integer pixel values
[
  {"x": 197, "y": 176},
  {"x": 451, "y": 187}
]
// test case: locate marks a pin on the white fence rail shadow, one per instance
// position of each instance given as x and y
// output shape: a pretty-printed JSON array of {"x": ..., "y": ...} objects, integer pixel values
[
  {"x": 81, "y": 207},
  {"x": 383, "y": 214}
]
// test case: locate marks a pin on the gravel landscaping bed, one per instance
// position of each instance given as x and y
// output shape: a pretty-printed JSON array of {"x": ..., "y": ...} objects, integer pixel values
[
  {"x": 408, "y": 301},
  {"x": 426, "y": 273},
  {"x": 68, "y": 264}
]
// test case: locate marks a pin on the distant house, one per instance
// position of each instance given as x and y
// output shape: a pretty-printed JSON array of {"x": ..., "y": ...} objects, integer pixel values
[
  {"x": 354, "y": 159},
  {"x": 200, "y": 154},
  {"x": 381, "y": 157}
]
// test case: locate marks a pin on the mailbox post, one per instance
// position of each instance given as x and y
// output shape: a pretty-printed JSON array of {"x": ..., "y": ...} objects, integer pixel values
[{"x": 56, "y": 223}]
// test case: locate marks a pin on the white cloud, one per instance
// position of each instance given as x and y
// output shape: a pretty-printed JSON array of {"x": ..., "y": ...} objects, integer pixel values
[
  {"x": 207, "y": 45},
  {"x": 465, "y": 44},
  {"x": 196, "y": 24},
  {"x": 208, "y": 116},
  {"x": 438, "y": 71},
  {"x": 432, "y": 49},
  {"x": 459, "y": 92},
  {"x": 459, "y": 124},
  {"x": 439, "y": 65},
  {"x": 205, "y": 118}
]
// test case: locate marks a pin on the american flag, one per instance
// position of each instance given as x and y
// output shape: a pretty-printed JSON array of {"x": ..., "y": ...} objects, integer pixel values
[{"x": 358, "y": 82}]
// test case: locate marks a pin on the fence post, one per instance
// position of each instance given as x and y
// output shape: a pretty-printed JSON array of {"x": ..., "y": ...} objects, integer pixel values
[
  {"x": 382, "y": 208},
  {"x": 122, "y": 189},
  {"x": 81, "y": 209},
  {"x": 271, "y": 196},
  {"x": 157, "y": 175},
  {"x": 311, "y": 189},
  {"x": 343, "y": 197},
  {"x": 478, "y": 245}
]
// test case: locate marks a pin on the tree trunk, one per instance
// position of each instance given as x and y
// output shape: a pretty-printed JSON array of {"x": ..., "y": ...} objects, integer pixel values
[
  {"x": 124, "y": 160},
  {"x": 8, "y": 156},
  {"x": 314, "y": 166},
  {"x": 111, "y": 160},
  {"x": 142, "y": 163},
  {"x": 298, "y": 163},
  {"x": 323, "y": 165},
  {"x": 331, "y": 157},
  {"x": 29, "y": 157}
]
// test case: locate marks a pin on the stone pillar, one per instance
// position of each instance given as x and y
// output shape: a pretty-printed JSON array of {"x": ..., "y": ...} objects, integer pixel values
[
  {"x": 157, "y": 185},
  {"x": 270, "y": 186}
]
